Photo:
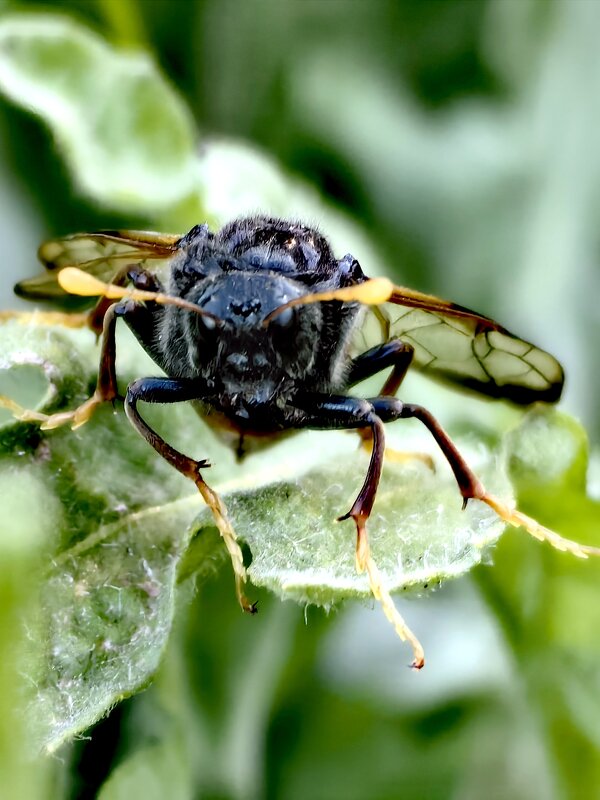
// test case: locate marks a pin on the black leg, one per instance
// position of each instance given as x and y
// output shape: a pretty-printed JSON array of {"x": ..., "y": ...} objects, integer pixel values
[
  {"x": 398, "y": 355},
  {"x": 394, "y": 354},
  {"x": 163, "y": 390},
  {"x": 345, "y": 413},
  {"x": 323, "y": 412},
  {"x": 171, "y": 390},
  {"x": 389, "y": 409},
  {"x": 330, "y": 412},
  {"x": 106, "y": 386},
  {"x": 470, "y": 486},
  {"x": 326, "y": 412}
]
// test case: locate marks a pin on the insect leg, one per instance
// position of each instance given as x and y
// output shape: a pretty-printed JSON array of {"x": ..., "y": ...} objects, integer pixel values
[
  {"x": 469, "y": 484},
  {"x": 106, "y": 386},
  {"x": 347, "y": 413},
  {"x": 396, "y": 354},
  {"x": 168, "y": 390}
]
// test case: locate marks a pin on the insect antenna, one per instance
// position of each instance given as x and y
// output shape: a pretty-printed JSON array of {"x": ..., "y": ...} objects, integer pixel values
[
  {"x": 371, "y": 292},
  {"x": 76, "y": 281}
]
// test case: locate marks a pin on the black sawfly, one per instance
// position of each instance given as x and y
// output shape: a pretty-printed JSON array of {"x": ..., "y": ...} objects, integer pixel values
[{"x": 256, "y": 324}]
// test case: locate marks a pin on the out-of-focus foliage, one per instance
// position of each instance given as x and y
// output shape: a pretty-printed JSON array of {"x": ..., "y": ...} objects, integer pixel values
[
  {"x": 458, "y": 141},
  {"x": 97, "y": 138}
]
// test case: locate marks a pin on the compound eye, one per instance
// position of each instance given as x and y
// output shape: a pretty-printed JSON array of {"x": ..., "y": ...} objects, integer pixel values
[{"x": 285, "y": 318}]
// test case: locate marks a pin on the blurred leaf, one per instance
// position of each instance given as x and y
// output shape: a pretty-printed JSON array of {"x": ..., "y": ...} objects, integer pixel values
[
  {"x": 548, "y": 602},
  {"x": 133, "y": 147},
  {"x": 27, "y": 504},
  {"x": 125, "y": 20},
  {"x": 547, "y": 457},
  {"x": 154, "y": 772},
  {"x": 552, "y": 463},
  {"x": 508, "y": 190},
  {"x": 515, "y": 36}
]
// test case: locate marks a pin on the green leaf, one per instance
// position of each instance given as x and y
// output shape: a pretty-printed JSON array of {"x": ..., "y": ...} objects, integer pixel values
[
  {"x": 126, "y": 136},
  {"x": 419, "y": 535},
  {"x": 108, "y": 596},
  {"x": 153, "y": 772},
  {"x": 546, "y": 602},
  {"x": 135, "y": 148},
  {"x": 123, "y": 519},
  {"x": 27, "y": 506}
]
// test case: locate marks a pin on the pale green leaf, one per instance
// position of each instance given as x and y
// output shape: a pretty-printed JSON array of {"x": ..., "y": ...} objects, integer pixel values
[
  {"x": 123, "y": 519},
  {"x": 127, "y": 137},
  {"x": 419, "y": 534},
  {"x": 153, "y": 772},
  {"x": 28, "y": 504}
]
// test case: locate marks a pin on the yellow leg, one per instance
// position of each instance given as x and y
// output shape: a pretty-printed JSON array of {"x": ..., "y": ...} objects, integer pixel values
[
  {"x": 106, "y": 386},
  {"x": 398, "y": 457},
  {"x": 76, "y": 418},
  {"x": 6, "y": 402},
  {"x": 364, "y": 561},
  {"x": 520, "y": 520},
  {"x": 219, "y": 512}
]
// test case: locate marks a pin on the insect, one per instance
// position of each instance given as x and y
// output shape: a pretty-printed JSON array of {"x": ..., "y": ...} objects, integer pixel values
[{"x": 255, "y": 324}]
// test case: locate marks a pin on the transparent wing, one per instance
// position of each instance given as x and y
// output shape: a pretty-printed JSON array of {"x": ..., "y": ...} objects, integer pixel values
[
  {"x": 457, "y": 345},
  {"x": 105, "y": 255}
]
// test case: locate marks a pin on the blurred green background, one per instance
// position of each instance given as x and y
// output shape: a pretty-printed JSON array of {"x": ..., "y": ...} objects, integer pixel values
[{"x": 461, "y": 137}]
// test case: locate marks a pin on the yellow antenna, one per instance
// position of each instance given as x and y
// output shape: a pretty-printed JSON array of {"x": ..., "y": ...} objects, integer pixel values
[
  {"x": 76, "y": 281},
  {"x": 372, "y": 292}
]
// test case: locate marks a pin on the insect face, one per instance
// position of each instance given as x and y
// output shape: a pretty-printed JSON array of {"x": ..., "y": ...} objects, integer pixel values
[{"x": 246, "y": 353}]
